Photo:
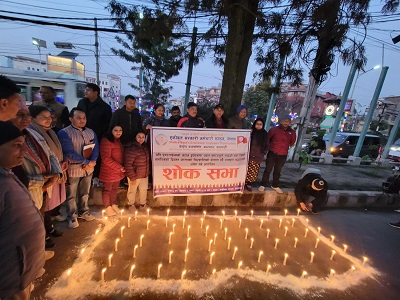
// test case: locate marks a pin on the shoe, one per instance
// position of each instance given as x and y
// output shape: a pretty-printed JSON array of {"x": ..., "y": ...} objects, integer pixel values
[
  {"x": 49, "y": 243},
  {"x": 397, "y": 210},
  {"x": 261, "y": 188},
  {"x": 87, "y": 217},
  {"x": 40, "y": 274},
  {"x": 277, "y": 189},
  {"x": 48, "y": 255},
  {"x": 115, "y": 208},
  {"x": 395, "y": 225},
  {"x": 110, "y": 212},
  {"x": 60, "y": 218},
  {"x": 56, "y": 233},
  {"x": 73, "y": 223},
  {"x": 248, "y": 187}
]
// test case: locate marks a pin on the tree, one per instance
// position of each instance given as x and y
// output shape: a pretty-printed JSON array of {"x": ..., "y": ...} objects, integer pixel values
[{"x": 256, "y": 98}]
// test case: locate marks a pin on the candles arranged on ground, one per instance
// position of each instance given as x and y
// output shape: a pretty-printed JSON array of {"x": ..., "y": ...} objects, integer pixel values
[
  {"x": 183, "y": 274},
  {"x": 332, "y": 255},
  {"x": 344, "y": 247},
  {"x": 215, "y": 238},
  {"x": 268, "y": 268},
  {"x": 116, "y": 245},
  {"x": 251, "y": 243},
  {"x": 129, "y": 222},
  {"x": 184, "y": 213},
  {"x": 223, "y": 213},
  {"x": 319, "y": 230},
  {"x": 170, "y": 256},
  {"x": 280, "y": 222},
  {"x": 159, "y": 270},
  {"x": 305, "y": 234},
  {"x": 122, "y": 211},
  {"x": 229, "y": 243},
  {"x": 170, "y": 237},
  {"x": 251, "y": 213},
  {"x": 141, "y": 240},
  {"x": 259, "y": 255},
  {"x": 312, "y": 254},
  {"x": 332, "y": 272},
  {"x": 234, "y": 253},
  {"x": 188, "y": 231},
  {"x": 131, "y": 272},
  {"x": 204, "y": 213},
  {"x": 103, "y": 272},
  {"x": 293, "y": 222},
  {"x": 268, "y": 231},
  {"x": 173, "y": 228},
  {"x": 209, "y": 245},
  {"x": 285, "y": 259},
  {"x": 286, "y": 229},
  {"x": 186, "y": 253},
  {"x": 201, "y": 222},
  {"x": 122, "y": 231},
  {"x": 332, "y": 238},
  {"x": 134, "y": 251},
  {"x": 276, "y": 243},
  {"x": 148, "y": 223},
  {"x": 316, "y": 243},
  {"x": 226, "y": 231},
  {"x": 240, "y": 264},
  {"x": 187, "y": 243},
  {"x": 267, "y": 214},
  {"x": 207, "y": 229},
  {"x": 211, "y": 257},
  {"x": 261, "y": 223},
  {"x": 286, "y": 211},
  {"x": 235, "y": 214},
  {"x": 168, "y": 211}
]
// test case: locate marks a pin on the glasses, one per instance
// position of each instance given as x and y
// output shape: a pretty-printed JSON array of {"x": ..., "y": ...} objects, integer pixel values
[{"x": 23, "y": 116}]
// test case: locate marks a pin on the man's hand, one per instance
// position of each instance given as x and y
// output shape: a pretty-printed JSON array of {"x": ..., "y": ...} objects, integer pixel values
[{"x": 303, "y": 206}]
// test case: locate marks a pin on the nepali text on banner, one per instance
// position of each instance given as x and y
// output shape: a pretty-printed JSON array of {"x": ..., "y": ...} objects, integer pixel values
[{"x": 188, "y": 161}]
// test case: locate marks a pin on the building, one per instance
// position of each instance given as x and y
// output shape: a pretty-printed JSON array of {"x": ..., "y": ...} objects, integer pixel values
[{"x": 110, "y": 89}]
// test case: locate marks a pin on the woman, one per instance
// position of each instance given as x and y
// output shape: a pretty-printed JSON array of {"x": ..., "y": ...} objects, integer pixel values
[
  {"x": 258, "y": 149},
  {"x": 112, "y": 169},
  {"x": 137, "y": 168},
  {"x": 239, "y": 120},
  {"x": 157, "y": 119},
  {"x": 217, "y": 120}
]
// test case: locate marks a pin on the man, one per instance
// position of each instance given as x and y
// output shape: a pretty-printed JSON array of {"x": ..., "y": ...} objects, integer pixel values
[
  {"x": 281, "y": 138},
  {"x": 81, "y": 148},
  {"x": 129, "y": 119},
  {"x": 22, "y": 253},
  {"x": 49, "y": 100},
  {"x": 9, "y": 98},
  {"x": 191, "y": 120},
  {"x": 175, "y": 116},
  {"x": 311, "y": 184},
  {"x": 217, "y": 119}
]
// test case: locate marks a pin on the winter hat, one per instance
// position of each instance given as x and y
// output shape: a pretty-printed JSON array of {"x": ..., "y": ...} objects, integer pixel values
[
  {"x": 240, "y": 108},
  {"x": 317, "y": 184},
  {"x": 8, "y": 132}
]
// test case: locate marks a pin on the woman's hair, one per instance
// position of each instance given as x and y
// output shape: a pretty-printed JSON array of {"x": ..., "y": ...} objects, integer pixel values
[
  {"x": 35, "y": 110},
  {"x": 109, "y": 136},
  {"x": 157, "y": 106},
  {"x": 254, "y": 123}
]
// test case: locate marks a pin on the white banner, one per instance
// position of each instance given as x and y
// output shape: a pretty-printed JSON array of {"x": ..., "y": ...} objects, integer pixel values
[{"x": 199, "y": 161}]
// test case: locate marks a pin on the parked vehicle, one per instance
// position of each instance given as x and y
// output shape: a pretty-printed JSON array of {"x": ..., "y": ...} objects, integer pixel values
[
  {"x": 345, "y": 143},
  {"x": 394, "y": 152}
]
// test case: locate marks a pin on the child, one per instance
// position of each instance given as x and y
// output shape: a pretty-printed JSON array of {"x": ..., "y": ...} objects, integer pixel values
[
  {"x": 112, "y": 169},
  {"x": 137, "y": 166},
  {"x": 258, "y": 149}
]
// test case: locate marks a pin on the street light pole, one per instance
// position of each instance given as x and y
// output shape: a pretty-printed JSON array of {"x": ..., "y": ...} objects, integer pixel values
[
  {"x": 39, "y": 44},
  {"x": 359, "y": 75}
]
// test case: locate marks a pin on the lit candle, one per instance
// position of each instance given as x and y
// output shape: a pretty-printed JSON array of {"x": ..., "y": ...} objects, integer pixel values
[
  {"x": 268, "y": 231},
  {"x": 226, "y": 231},
  {"x": 129, "y": 222},
  {"x": 109, "y": 260},
  {"x": 122, "y": 211},
  {"x": 105, "y": 218},
  {"x": 307, "y": 221},
  {"x": 261, "y": 223},
  {"x": 201, "y": 222},
  {"x": 251, "y": 213},
  {"x": 188, "y": 231},
  {"x": 183, "y": 222},
  {"x": 207, "y": 230},
  {"x": 344, "y": 247},
  {"x": 131, "y": 272},
  {"x": 122, "y": 231},
  {"x": 183, "y": 274},
  {"x": 240, "y": 264},
  {"x": 332, "y": 272},
  {"x": 184, "y": 213},
  {"x": 286, "y": 229},
  {"x": 170, "y": 256},
  {"x": 148, "y": 222},
  {"x": 83, "y": 250},
  {"x": 276, "y": 243},
  {"x": 116, "y": 245},
  {"x": 229, "y": 243},
  {"x": 312, "y": 257},
  {"x": 305, "y": 234},
  {"x": 187, "y": 243},
  {"x": 332, "y": 238},
  {"x": 234, "y": 253},
  {"x": 247, "y": 232},
  {"x": 214, "y": 270},
  {"x": 170, "y": 235},
  {"x": 209, "y": 245},
  {"x": 166, "y": 221},
  {"x": 103, "y": 271},
  {"x": 135, "y": 214},
  {"x": 295, "y": 242},
  {"x": 304, "y": 274},
  {"x": 286, "y": 212},
  {"x": 235, "y": 214},
  {"x": 353, "y": 268},
  {"x": 102, "y": 213},
  {"x": 285, "y": 259},
  {"x": 332, "y": 255},
  {"x": 319, "y": 230},
  {"x": 267, "y": 214},
  {"x": 97, "y": 232},
  {"x": 259, "y": 255},
  {"x": 365, "y": 259},
  {"x": 221, "y": 222},
  {"x": 251, "y": 243},
  {"x": 186, "y": 253},
  {"x": 141, "y": 240},
  {"x": 293, "y": 222},
  {"x": 298, "y": 211},
  {"x": 215, "y": 238},
  {"x": 223, "y": 213},
  {"x": 168, "y": 210},
  {"x": 204, "y": 213},
  {"x": 134, "y": 251},
  {"x": 159, "y": 271},
  {"x": 173, "y": 228},
  {"x": 148, "y": 213},
  {"x": 280, "y": 222},
  {"x": 211, "y": 257},
  {"x": 316, "y": 243},
  {"x": 268, "y": 268},
  {"x": 240, "y": 223}
]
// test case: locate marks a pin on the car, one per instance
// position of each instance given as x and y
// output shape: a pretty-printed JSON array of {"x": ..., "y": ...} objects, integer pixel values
[{"x": 394, "y": 152}]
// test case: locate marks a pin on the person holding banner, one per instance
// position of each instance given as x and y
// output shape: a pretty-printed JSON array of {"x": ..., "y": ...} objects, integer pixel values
[
  {"x": 258, "y": 150},
  {"x": 191, "y": 120},
  {"x": 217, "y": 120},
  {"x": 137, "y": 169}
]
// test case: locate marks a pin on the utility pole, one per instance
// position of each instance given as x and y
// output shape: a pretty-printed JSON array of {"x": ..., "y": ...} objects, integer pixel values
[
  {"x": 96, "y": 45},
  {"x": 190, "y": 71}
]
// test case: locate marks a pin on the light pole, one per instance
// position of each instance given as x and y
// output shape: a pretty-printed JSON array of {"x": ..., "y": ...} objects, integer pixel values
[
  {"x": 39, "y": 44},
  {"x": 359, "y": 75}
]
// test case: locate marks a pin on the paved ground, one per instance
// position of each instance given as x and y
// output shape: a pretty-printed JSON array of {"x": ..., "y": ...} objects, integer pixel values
[{"x": 368, "y": 233}]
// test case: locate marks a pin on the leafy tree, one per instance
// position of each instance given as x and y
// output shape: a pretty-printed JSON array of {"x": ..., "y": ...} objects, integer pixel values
[{"x": 256, "y": 98}]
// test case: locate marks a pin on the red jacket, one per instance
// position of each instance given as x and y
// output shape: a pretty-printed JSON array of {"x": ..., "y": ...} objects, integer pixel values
[
  {"x": 137, "y": 161},
  {"x": 112, "y": 159},
  {"x": 280, "y": 139}
]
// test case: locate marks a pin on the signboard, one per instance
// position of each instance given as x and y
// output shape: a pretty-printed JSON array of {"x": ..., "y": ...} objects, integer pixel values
[
  {"x": 59, "y": 64},
  {"x": 189, "y": 161},
  {"x": 348, "y": 105}
]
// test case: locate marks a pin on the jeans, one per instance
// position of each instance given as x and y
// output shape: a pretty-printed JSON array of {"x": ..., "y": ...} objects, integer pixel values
[
  {"x": 77, "y": 187},
  {"x": 140, "y": 184},
  {"x": 109, "y": 193},
  {"x": 276, "y": 162}
]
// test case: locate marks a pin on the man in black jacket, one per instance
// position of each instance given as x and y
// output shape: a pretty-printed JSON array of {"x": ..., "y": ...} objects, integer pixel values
[
  {"x": 191, "y": 120},
  {"x": 311, "y": 184},
  {"x": 129, "y": 119}
]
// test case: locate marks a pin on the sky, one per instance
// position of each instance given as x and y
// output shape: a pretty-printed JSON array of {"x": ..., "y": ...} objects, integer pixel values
[{"x": 16, "y": 39}]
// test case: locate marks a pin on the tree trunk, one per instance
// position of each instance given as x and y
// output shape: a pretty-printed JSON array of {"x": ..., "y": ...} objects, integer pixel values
[{"x": 241, "y": 21}]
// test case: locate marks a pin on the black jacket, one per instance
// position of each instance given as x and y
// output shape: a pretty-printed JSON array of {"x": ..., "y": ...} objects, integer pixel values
[
  {"x": 131, "y": 123},
  {"x": 303, "y": 189},
  {"x": 190, "y": 122},
  {"x": 98, "y": 115}
]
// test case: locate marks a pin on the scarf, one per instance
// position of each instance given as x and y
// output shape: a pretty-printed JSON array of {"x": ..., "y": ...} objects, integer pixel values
[{"x": 51, "y": 139}]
